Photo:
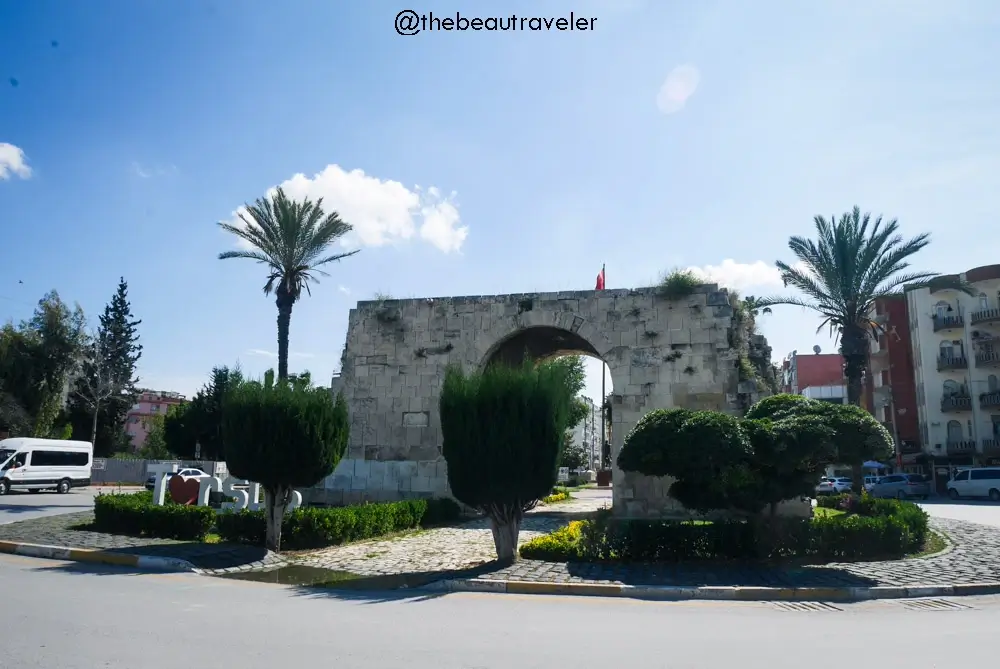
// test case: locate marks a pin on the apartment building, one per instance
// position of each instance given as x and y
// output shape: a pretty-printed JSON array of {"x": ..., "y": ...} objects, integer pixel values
[
  {"x": 819, "y": 376},
  {"x": 585, "y": 432},
  {"x": 890, "y": 388},
  {"x": 955, "y": 338},
  {"x": 149, "y": 403}
]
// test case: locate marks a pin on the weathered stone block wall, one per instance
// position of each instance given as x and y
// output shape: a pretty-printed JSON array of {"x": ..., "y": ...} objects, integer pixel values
[{"x": 660, "y": 353}]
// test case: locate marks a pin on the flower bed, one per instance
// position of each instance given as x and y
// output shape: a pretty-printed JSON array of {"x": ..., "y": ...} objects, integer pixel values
[
  {"x": 869, "y": 529},
  {"x": 135, "y": 514}
]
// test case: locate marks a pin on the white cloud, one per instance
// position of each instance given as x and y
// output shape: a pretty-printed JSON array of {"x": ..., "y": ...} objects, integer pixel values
[
  {"x": 382, "y": 212},
  {"x": 13, "y": 161},
  {"x": 679, "y": 85},
  {"x": 271, "y": 354},
  {"x": 344, "y": 289},
  {"x": 732, "y": 274},
  {"x": 149, "y": 172}
]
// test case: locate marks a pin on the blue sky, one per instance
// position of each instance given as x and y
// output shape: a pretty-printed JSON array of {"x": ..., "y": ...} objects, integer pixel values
[{"x": 673, "y": 135}]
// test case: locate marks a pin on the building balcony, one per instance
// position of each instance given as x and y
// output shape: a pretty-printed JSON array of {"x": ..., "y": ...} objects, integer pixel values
[
  {"x": 953, "y": 362},
  {"x": 991, "y": 447},
  {"x": 908, "y": 448},
  {"x": 989, "y": 400},
  {"x": 985, "y": 316},
  {"x": 948, "y": 323},
  {"x": 988, "y": 359},
  {"x": 956, "y": 403},
  {"x": 964, "y": 447}
]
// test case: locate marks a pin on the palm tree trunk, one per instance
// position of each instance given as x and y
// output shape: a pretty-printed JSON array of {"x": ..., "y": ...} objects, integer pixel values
[
  {"x": 854, "y": 349},
  {"x": 284, "y": 302}
]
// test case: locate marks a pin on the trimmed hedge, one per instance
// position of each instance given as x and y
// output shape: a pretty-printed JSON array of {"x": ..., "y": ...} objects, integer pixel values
[
  {"x": 319, "y": 527},
  {"x": 135, "y": 515},
  {"x": 878, "y": 529}
]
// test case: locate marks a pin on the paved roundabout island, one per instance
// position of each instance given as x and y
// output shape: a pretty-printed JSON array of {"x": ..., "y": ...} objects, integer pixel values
[{"x": 460, "y": 558}]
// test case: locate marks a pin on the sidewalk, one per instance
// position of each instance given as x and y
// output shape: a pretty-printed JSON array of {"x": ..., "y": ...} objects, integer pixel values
[
  {"x": 969, "y": 566},
  {"x": 447, "y": 549},
  {"x": 55, "y": 537}
]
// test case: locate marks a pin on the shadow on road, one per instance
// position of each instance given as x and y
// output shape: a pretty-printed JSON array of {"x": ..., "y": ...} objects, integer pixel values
[{"x": 387, "y": 588}]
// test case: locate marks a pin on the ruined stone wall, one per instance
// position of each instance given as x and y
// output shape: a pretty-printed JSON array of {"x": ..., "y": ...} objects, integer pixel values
[{"x": 660, "y": 353}]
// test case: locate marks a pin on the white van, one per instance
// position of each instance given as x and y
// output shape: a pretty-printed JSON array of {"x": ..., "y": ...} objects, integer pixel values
[
  {"x": 27, "y": 463},
  {"x": 976, "y": 482}
]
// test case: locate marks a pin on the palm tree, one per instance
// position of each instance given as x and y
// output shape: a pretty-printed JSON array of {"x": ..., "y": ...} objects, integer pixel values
[
  {"x": 292, "y": 239},
  {"x": 852, "y": 263}
]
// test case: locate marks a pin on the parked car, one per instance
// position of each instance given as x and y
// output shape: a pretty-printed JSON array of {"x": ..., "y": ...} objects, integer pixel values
[
  {"x": 870, "y": 482},
  {"x": 834, "y": 486},
  {"x": 902, "y": 486},
  {"x": 188, "y": 473},
  {"x": 978, "y": 482}
]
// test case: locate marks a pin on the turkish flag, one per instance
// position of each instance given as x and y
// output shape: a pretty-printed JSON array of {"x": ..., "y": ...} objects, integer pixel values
[{"x": 600, "y": 280}]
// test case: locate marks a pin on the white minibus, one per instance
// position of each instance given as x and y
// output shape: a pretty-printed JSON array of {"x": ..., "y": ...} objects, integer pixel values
[{"x": 33, "y": 464}]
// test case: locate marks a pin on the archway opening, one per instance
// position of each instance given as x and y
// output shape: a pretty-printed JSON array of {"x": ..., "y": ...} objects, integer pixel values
[{"x": 584, "y": 447}]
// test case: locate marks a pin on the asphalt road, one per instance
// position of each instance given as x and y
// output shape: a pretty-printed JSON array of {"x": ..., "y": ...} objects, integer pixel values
[
  {"x": 984, "y": 513},
  {"x": 18, "y": 505},
  {"x": 73, "y": 617}
]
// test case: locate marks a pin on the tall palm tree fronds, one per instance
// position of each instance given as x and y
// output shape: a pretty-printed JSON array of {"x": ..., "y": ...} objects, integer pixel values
[
  {"x": 292, "y": 238},
  {"x": 853, "y": 262}
]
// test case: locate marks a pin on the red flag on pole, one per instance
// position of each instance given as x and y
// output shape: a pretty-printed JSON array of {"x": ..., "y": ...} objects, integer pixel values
[{"x": 600, "y": 279}]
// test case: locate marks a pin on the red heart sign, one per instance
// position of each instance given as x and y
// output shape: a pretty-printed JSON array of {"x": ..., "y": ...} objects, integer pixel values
[{"x": 184, "y": 491}]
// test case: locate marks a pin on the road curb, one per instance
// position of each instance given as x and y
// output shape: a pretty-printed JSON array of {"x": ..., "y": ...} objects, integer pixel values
[
  {"x": 725, "y": 593},
  {"x": 143, "y": 562}
]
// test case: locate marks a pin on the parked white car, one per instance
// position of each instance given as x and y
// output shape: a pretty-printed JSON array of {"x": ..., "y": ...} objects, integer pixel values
[
  {"x": 833, "y": 486},
  {"x": 186, "y": 473},
  {"x": 977, "y": 482}
]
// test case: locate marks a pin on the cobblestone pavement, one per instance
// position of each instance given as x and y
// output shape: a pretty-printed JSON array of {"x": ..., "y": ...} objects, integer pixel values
[
  {"x": 448, "y": 548},
  {"x": 58, "y": 531},
  {"x": 975, "y": 557}
]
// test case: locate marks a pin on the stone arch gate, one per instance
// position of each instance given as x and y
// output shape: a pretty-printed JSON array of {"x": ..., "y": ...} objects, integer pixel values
[{"x": 661, "y": 353}]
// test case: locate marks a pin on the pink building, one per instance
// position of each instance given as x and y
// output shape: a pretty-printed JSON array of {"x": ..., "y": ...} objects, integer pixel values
[{"x": 150, "y": 403}]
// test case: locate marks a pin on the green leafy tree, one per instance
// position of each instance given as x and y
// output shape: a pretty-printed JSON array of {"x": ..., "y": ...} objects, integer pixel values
[
  {"x": 199, "y": 422},
  {"x": 155, "y": 447},
  {"x": 292, "y": 238},
  {"x": 502, "y": 434},
  {"x": 720, "y": 462},
  {"x": 574, "y": 454},
  {"x": 38, "y": 358},
  {"x": 106, "y": 387},
  {"x": 856, "y": 435},
  {"x": 282, "y": 436}
]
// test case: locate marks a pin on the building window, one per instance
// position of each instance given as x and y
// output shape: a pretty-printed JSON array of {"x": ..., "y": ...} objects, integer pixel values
[
  {"x": 951, "y": 388},
  {"x": 156, "y": 408},
  {"x": 954, "y": 431},
  {"x": 992, "y": 384}
]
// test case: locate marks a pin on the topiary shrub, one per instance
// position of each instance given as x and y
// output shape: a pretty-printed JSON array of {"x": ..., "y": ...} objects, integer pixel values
[
  {"x": 136, "y": 515},
  {"x": 647, "y": 445},
  {"x": 857, "y": 436},
  {"x": 284, "y": 436},
  {"x": 773, "y": 406},
  {"x": 502, "y": 433}
]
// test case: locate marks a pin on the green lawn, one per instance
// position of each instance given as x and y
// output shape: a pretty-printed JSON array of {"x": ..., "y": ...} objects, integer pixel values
[{"x": 823, "y": 512}]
